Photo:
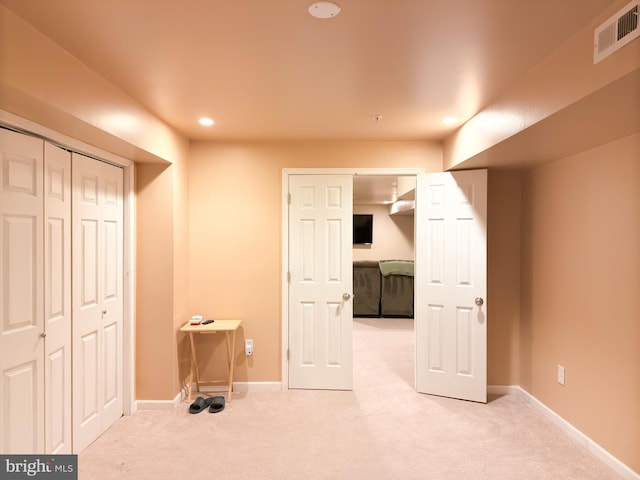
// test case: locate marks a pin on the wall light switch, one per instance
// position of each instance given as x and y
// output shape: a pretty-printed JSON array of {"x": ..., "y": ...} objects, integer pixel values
[{"x": 561, "y": 375}]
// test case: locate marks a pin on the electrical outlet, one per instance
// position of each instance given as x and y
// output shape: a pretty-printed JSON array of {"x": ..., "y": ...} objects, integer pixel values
[
  {"x": 248, "y": 346},
  {"x": 561, "y": 375}
]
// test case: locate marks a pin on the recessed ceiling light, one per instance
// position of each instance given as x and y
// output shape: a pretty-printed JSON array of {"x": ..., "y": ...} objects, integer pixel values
[
  {"x": 449, "y": 120},
  {"x": 206, "y": 122},
  {"x": 324, "y": 9}
]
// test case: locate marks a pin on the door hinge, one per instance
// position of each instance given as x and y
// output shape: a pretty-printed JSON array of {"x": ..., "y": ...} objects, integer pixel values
[
  {"x": 288, "y": 198},
  {"x": 288, "y": 354},
  {"x": 288, "y": 277}
]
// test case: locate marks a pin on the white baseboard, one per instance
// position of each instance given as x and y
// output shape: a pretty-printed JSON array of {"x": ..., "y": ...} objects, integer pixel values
[
  {"x": 502, "y": 389},
  {"x": 161, "y": 404},
  {"x": 246, "y": 387},
  {"x": 238, "y": 387},
  {"x": 600, "y": 453},
  {"x": 251, "y": 387}
]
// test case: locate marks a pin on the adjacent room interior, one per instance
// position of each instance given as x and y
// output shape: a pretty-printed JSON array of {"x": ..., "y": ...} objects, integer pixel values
[{"x": 383, "y": 231}]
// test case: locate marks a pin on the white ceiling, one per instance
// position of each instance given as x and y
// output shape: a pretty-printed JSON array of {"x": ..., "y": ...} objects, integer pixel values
[{"x": 267, "y": 70}]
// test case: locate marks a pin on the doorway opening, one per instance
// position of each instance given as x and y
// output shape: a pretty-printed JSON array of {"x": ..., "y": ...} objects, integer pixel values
[{"x": 383, "y": 305}]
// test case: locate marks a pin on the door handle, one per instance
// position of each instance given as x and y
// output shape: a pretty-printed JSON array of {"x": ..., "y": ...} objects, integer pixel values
[
  {"x": 346, "y": 296},
  {"x": 479, "y": 301}
]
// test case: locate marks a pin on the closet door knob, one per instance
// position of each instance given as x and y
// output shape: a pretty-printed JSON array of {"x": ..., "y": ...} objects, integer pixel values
[
  {"x": 479, "y": 301},
  {"x": 43, "y": 334},
  {"x": 346, "y": 296}
]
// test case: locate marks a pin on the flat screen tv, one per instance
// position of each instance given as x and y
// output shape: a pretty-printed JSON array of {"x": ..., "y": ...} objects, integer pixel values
[{"x": 362, "y": 229}]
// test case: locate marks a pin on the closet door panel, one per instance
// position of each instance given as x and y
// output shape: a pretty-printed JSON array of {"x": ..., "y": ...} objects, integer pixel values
[
  {"x": 21, "y": 295},
  {"x": 21, "y": 272},
  {"x": 57, "y": 294},
  {"x": 111, "y": 208},
  {"x": 87, "y": 311},
  {"x": 22, "y": 413},
  {"x": 97, "y": 231}
]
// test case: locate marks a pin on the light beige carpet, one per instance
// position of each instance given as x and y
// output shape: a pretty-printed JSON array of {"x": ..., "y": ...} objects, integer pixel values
[{"x": 382, "y": 429}]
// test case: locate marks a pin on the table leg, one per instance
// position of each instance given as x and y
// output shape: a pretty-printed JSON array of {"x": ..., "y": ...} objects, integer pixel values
[
  {"x": 232, "y": 354},
  {"x": 194, "y": 366}
]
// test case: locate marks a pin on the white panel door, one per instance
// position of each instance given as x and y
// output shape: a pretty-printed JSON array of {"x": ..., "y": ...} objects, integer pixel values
[
  {"x": 320, "y": 268},
  {"x": 21, "y": 295},
  {"x": 451, "y": 279},
  {"x": 97, "y": 232},
  {"x": 57, "y": 299}
]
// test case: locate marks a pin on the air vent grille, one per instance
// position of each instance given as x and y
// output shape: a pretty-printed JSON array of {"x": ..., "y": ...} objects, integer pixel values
[
  {"x": 617, "y": 31},
  {"x": 628, "y": 23}
]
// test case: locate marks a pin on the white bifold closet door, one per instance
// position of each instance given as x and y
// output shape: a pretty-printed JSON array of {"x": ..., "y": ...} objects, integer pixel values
[
  {"x": 61, "y": 359},
  {"x": 97, "y": 298},
  {"x": 35, "y": 297}
]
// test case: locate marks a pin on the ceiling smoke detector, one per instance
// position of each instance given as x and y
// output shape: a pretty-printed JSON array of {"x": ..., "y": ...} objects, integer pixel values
[{"x": 324, "y": 9}]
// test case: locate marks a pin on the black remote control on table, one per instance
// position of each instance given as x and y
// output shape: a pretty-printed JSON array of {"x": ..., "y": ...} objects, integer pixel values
[{"x": 207, "y": 322}]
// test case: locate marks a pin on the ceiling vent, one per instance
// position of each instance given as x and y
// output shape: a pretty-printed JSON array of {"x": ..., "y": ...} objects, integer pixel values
[{"x": 617, "y": 31}]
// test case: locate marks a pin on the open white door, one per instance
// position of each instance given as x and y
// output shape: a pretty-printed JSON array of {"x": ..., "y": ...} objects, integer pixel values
[
  {"x": 451, "y": 279},
  {"x": 320, "y": 271}
]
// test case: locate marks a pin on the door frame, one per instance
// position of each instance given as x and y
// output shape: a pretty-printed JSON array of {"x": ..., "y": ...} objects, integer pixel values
[
  {"x": 284, "y": 301},
  {"x": 34, "y": 129}
]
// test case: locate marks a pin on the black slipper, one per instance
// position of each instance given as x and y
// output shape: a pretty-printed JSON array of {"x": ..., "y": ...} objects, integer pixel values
[
  {"x": 200, "y": 404},
  {"x": 217, "y": 404}
]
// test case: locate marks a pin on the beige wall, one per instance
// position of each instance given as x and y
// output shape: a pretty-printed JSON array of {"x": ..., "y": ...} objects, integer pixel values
[
  {"x": 235, "y": 206},
  {"x": 580, "y": 292},
  {"x": 503, "y": 277},
  {"x": 235, "y": 242},
  {"x": 180, "y": 359},
  {"x": 154, "y": 281},
  {"x": 392, "y": 235},
  {"x": 162, "y": 280}
]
